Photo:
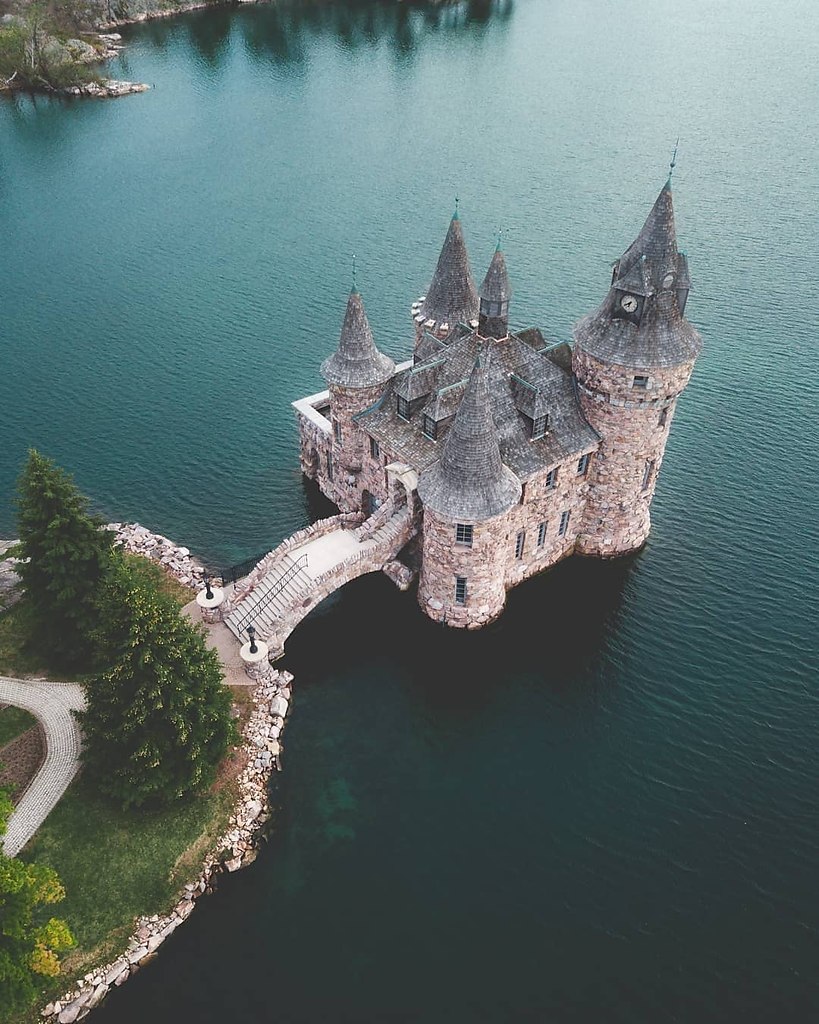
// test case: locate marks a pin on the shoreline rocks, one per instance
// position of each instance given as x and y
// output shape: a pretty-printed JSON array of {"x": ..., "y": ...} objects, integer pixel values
[
  {"x": 174, "y": 559},
  {"x": 235, "y": 849}
]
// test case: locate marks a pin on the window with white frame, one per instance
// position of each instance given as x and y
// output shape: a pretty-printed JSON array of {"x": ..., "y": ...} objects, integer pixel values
[
  {"x": 564, "y": 523},
  {"x": 337, "y": 431},
  {"x": 648, "y": 473},
  {"x": 402, "y": 407},
  {"x": 463, "y": 534},
  {"x": 541, "y": 535},
  {"x": 640, "y": 382},
  {"x": 551, "y": 478},
  {"x": 583, "y": 465},
  {"x": 375, "y": 449},
  {"x": 460, "y": 590},
  {"x": 520, "y": 542}
]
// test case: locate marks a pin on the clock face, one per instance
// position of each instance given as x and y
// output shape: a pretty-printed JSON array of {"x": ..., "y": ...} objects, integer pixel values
[
  {"x": 668, "y": 280},
  {"x": 628, "y": 303}
]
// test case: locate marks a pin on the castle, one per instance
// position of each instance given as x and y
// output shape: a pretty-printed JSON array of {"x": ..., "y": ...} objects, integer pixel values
[{"x": 513, "y": 453}]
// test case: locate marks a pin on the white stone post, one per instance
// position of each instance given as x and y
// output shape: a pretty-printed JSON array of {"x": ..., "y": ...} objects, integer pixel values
[
  {"x": 257, "y": 665},
  {"x": 211, "y": 607}
]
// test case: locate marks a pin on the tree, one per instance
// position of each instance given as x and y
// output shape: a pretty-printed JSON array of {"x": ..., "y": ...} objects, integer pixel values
[
  {"x": 28, "y": 946},
  {"x": 65, "y": 557},
  {"x": 157, "y": 720}
]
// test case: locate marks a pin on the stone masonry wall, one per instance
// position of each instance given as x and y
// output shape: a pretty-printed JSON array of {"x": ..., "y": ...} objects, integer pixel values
[
  {"x": 483, "y": 565},
  {"x": 630, "y": 423}
]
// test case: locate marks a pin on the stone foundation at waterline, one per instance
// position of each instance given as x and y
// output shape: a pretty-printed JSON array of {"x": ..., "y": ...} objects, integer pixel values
[{"x": 234, "y": 850}]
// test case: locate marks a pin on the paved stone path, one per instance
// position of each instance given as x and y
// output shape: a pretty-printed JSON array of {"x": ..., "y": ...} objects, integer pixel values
[{"x": 52, "y": 704}]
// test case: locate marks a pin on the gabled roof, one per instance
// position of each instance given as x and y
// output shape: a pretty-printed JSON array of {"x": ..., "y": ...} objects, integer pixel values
[
  {"x": 654, "y": 268},
  {"x": 357, "y": 362},
  {"x": 451, "y": 297},
  {"x": 469, "y": 481}
]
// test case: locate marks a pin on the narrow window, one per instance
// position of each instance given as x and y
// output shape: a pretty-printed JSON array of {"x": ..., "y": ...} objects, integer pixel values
[
  {"x": 582, "y": 465},
  {"x": 329, "y": 467},
  {"x": 375, "y": 449},
  {"x": 663, "y": 417},
  {"x": 551, "y": 478},
  {"x": 337, "y": 431},
  {"x": 460, "y": 590},
  {"x": 519, "y": 542},
  {"x": 463, "y": 535},
  {"x": 539, "y": 427},
  {"x": 640, "y": 382},
  {"x": 648, "y": 472},
  {"x": 564, "y": 523},
  {"x": 429, "y": 428},
  {"x": 541, "y": 535},
  {"x": 403, "y": 408}
]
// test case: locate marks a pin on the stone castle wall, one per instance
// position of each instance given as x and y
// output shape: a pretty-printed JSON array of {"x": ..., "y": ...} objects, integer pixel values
[
  {"x": 633, "y": 424},
  {"x": 482, "y": 565}
]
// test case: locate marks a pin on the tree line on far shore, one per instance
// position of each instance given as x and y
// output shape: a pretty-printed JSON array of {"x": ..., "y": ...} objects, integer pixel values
[{"x": 157, "y": 720}]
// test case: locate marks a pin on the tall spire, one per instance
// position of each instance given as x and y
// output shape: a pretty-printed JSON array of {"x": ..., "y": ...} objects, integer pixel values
[
  {"x": 470, "y": 482},
  {"x": 641, "y": 321},
  {"x": 451, "y": 297},
  {"x": 496, "y": 291},
  {"x": 357, "y": 363}
]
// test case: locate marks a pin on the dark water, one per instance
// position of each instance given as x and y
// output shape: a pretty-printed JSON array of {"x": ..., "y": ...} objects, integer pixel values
[{"x": 603, "y": 807}]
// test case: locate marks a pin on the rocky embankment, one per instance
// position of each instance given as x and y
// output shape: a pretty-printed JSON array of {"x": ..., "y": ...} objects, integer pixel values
[
  {"x": 235, "y": 849},
  {"x": 176, "y": 560},
  {"x": 9, "y": 580}
]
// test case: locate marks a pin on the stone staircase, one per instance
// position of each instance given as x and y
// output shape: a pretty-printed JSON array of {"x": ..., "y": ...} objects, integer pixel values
[{"x": 271, "y": 598}]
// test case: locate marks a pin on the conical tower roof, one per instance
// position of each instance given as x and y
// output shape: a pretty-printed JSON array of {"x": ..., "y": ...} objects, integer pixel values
[
  {"x": 496, "y": 286},
  {"x": 451, "y": 297},
  {"x": 654, "y": 270},
  {"x": 357, "y": 363},
  {"x": 470, "y": 482}
]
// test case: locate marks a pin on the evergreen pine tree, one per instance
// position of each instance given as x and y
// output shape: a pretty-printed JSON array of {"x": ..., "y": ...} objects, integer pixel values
[
  {"x": 66, "y": 556},
  {"x": 157, "y": 720}
]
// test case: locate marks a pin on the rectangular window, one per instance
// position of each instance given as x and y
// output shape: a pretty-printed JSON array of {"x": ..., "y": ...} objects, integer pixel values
[
  {"x": 648, "y": 472},
  {"x": 337, "y": 431},
  {"x": 541, "y": 535},
  {"x": 375, "y": 449},
  {"x": 329, "y": 467},
  {"x": 429, "y": 428},
  {"x": 640, "y": 382},
  {"x": 564, "y": 523},
  {"x": 463, "y": 535},
  {"x": 539, "y": 427},
  {"x": 520, "y": 540},
  {"x": 460, "y": 590},
  {"x": 663, "y": 417},
  {"x": 551, "y": 478},
  {"x": 583, "y": 465},
  {"x": 403, "y": 408}
]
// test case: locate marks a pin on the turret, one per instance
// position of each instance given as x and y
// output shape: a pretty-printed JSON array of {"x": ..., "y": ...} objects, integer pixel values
[
  {"x": 495, "y": 293},
  {"x": 356, "y": 374},
  {"x": 466, "y": 495},
  {"x": 451, "y": 297},
  {"x": 632, "y": 359}
]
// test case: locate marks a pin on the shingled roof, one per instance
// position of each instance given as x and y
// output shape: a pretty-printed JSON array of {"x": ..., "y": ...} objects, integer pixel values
[
  {"x": 653, "y": 268},
  {"x": 496, "y": 286},
  {"x": 451, "y": 297},
  {"x": 469, "y": 481},
  {"x": 357, "y": 363}
]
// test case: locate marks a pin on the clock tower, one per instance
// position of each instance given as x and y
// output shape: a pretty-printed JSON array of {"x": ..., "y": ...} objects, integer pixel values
[{"x": 632, "y": 358}]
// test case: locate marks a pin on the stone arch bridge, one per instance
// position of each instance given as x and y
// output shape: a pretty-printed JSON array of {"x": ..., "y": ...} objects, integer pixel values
[{"x": 303, "y": 570}]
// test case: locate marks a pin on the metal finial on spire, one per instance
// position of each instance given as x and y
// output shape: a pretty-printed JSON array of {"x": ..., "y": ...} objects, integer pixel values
[
  {"x": 355, "y": 286},
  {"x": 457, "y": 214},
  {"x": 673, "y": 163},
  {"x": 500, "y": 240}
]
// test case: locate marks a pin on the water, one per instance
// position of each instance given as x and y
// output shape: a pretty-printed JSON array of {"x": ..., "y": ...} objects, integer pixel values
[{"x": 603, "y": 807}]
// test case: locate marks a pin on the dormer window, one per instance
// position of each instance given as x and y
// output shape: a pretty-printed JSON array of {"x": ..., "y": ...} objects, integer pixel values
[
  {"x": 540, "y": 425},
  {"x": 429, "y": 428},
  {"x": 402, "y": 408},
  {"x": 639, "y": 382}
]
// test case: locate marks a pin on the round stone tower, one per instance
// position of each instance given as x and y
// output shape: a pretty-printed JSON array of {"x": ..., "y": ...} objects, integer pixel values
[
  {"x": 356, "y": 374},
  {"x": 467, "y": 496},
  {"x": 632, "y": 359},
  {"x": 451, "y": 297}
]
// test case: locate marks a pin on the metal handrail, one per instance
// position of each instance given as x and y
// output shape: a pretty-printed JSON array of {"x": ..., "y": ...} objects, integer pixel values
[
  {"x": 298, "y": 566},
  {"x": 240, "y": 570}
]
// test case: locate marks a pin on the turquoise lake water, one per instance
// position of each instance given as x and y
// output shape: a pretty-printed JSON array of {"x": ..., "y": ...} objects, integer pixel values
[{"x": 602, "y": 808}]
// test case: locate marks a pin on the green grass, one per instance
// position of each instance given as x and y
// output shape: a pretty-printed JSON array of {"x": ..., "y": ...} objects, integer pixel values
[
  {"x": 13, "y": 723},
  {"x": 18, "y": 645},
  {"x": 116, "y": 866}
]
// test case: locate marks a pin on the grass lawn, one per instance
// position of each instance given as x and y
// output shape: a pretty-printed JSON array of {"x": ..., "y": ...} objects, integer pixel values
[
  {"x": 13, "y": 723},
  {"x": 18, "y": 653}
]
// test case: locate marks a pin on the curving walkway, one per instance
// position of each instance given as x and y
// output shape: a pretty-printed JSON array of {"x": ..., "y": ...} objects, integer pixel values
[{"x": 52, "y": 704}]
